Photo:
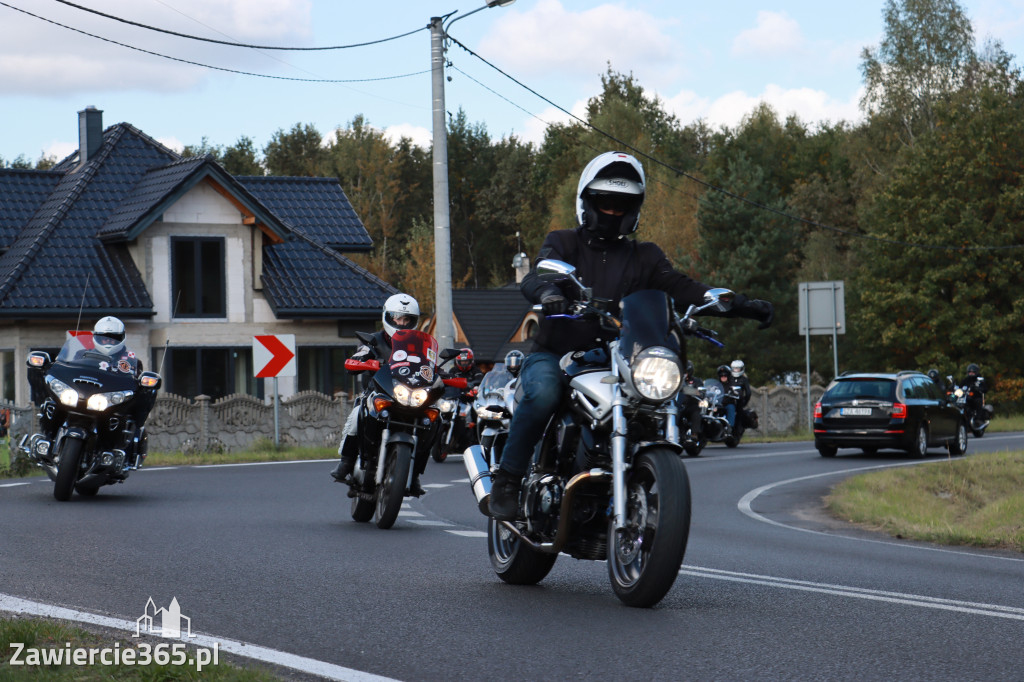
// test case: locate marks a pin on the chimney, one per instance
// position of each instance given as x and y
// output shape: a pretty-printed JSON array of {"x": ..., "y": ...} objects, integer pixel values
[{"x": 90, "y": 133}]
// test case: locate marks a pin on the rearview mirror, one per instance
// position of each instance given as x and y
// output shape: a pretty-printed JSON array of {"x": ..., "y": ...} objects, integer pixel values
[
  {"x": 719, "y": 299},
  {"x": 555, "y": 271}
]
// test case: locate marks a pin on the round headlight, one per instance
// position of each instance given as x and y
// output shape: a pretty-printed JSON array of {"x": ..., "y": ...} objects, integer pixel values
[
  {"x": 446, "y": 405},
  {"x": 418, "y": 397},
  {"x": 656, "y": 373},
  {"x": 402, "y": 393},
  {"x": 98, "y": 402}
]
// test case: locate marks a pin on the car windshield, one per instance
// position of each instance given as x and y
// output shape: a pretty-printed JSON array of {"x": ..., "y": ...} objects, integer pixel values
[{"x": 863, "y": 389}]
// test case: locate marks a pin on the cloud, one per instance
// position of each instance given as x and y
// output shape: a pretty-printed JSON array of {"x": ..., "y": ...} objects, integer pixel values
[
  {"x": 548, "y": 38},
  {"x": 809, "y": 105},
  {"x": 41, "y": 58},
  {"x": 533, "y": 128},
  {"x": 420, "y": 136},
  {"x": 775, "y": 34}
]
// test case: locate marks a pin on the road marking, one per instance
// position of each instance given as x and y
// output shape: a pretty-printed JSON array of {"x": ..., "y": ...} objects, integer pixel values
[
  {"x": 410, "y": 514},
  {"x": 236, "y": 647},
  {"x": 438, "y": 485},
  {"x": 991, "y": 610},
  {"x": 461, "y": 480},
  {"x": 468, "y": 533},
  {"x": 744, "y": 506},
  {"x": 428, "y": 522},
  {"x": 14, "y": 485},
  {"x": 259, "y": 464}
]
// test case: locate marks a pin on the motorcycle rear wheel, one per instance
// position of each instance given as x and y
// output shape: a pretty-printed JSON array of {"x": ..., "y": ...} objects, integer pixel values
[
  {"x": 513, "y": 560},
  {"x": 67, "y": 469},
  {"x": 644, "y": 557},
  {"x": 391, "y": 490}
]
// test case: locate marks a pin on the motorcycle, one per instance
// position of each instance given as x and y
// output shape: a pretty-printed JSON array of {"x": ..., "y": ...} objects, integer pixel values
[
  {"x": 714, "y": 422},
  {"x": 457, "y": 428},
  {"x": 966, "y": 398},
  {"x": 606, "y": 480},
  {"x": 398, "y": 424},
  {"x": 93, "y": 398},
  {"x": 492, "y": 412}
]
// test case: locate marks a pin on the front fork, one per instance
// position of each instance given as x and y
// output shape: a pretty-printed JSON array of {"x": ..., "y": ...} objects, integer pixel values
[{"x": 618, "y": 461}]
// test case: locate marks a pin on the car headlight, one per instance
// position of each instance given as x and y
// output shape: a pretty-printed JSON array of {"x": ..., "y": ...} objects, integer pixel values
[
  {"x": 656, "y": 373},
  {"x": 101, "y": 401},
  {"x": 67, "y": 395},
  {"x": 409, "y": 397}
]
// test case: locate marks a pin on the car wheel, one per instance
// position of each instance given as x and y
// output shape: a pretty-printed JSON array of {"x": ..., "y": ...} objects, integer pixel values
[
  {"x": 958, "y": 445},
  {"x": 827, "y": 450},
  {"x": 919, "y": 448}
]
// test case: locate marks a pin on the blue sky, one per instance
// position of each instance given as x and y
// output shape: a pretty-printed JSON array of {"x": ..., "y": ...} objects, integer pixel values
[{"x": 704, "y": 60}]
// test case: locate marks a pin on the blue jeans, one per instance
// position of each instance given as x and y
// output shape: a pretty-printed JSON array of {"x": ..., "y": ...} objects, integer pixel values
[
  {"x": 730, "y": 413},
  {"x": 541, "y": 387}
]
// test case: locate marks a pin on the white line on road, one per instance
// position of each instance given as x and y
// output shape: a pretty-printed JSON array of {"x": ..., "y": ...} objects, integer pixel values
[
  {"x": 428, "y": 522},
  {"x": 238, "y": 648},
  {"x": 468, "y": 533},
  {"x": 14, "y": 485},
  {"x": 992, "y": 610}
]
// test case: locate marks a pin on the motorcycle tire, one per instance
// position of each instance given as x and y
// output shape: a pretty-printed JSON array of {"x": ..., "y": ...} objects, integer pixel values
[
  {"x": 362, "y": 509},
  {"x": 694, "y": 449},
  {"x": 644, "y": 557},
  {"x": 391, "y": 490},
  {"x": 439, "y": 453},
  {"x": 513, "y": 560},
  {"x": 67, "y": 469}
]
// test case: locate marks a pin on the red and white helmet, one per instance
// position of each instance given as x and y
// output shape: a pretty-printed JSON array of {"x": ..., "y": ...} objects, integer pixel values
[{"x": 401, "y": 311}]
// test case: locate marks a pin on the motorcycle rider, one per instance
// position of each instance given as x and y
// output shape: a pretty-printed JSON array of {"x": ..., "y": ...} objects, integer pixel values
[
  {"x": 729, "y": 397},
  {"x": 400, "y": 311},
  {"x": 739, "y": 378},
  {"x": 609, "y": 196},
  {"x": 977, "y": 388},
  {"x": 690, "y": 402}
]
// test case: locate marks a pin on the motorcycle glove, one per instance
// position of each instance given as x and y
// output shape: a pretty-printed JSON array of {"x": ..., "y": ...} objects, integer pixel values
[
  {"x": 554, "y": 303},
  {"x": 754, "y": 309}
]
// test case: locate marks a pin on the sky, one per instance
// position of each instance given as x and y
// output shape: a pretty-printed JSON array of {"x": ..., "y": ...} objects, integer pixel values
[{"x": 710, "y": 60}]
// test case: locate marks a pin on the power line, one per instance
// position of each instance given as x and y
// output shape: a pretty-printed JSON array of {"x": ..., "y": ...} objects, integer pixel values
[
  {"x": 233, "y": 44},
  {"x": 722, "y": 190},
  {"x": 216, "y": 68}
]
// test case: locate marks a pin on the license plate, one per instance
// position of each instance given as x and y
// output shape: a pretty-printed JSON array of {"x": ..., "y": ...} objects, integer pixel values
[{"x": 855, "y": 411}]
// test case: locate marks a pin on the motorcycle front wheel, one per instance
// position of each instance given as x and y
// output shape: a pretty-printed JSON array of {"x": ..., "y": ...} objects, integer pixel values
[
  {"x": 513, "y": 560},
  {"x": 391, "y": 490},
  {"x": 67, "y": 469},
  {"x": 644, "y": 557}
]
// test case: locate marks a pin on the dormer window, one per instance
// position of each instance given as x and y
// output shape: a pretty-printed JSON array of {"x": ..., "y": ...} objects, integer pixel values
[{"x": 197, "y": 277}]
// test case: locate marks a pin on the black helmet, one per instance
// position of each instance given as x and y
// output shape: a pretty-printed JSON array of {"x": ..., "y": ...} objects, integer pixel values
[
  {"x": 973, "y": 370},
  {"x": 933, "y": 374},
  {"x": 514, "y": 361},
  {"x": 724, "y": 370}
]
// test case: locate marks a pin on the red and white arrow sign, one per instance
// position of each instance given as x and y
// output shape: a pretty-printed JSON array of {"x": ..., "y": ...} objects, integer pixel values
[{"x": 273, "y": 355}]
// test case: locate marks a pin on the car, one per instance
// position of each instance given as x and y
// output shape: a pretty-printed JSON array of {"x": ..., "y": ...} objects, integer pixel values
[{"x": 905, "y": 410}]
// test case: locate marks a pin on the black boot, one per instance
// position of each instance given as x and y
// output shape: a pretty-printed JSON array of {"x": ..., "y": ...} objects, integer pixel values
[
  {"x": 503, "y": 502},
  {"x": 345, "y": 466},
  {"x": 415, "y": 489}
]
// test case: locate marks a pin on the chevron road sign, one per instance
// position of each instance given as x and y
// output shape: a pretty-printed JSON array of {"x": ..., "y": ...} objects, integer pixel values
[{"x": 273, "y": 355}]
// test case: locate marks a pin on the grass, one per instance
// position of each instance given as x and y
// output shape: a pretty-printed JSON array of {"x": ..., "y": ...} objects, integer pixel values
[
  {"x": 976, "y": 501},
  {"x": 37, "y": 633}
]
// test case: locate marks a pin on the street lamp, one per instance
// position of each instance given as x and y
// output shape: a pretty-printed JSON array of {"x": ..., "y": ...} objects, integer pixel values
[{"x": 444, "y": 327}]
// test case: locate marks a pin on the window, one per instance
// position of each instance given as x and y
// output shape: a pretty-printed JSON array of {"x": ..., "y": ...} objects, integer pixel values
[
  {"x": 216, "y": 372},
  {"x": 197, "y": 277},
  {"x": 322, "y": 369}
]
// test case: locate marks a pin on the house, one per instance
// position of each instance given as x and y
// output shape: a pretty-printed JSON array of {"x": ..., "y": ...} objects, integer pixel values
[{"x": 196, "y": 262}]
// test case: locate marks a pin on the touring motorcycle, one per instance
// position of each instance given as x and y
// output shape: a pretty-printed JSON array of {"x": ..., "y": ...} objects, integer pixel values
[
  {"x": 399, "y": 422},
  {"x": 965, "y": 397},
  {"x": 606, "y": 480},
  {"x": 94, "y": 399},
  {"x": 715, "y": 426}
]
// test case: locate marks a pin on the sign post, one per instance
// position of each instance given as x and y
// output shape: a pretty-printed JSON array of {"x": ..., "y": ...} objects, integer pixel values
[
  {"x": 822, "y": 311},
  {"x": 273, "y": 356}
]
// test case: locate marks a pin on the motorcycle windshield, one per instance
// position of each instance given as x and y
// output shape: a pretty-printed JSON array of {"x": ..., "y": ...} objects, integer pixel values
[
  {"x": 413, "y": 358},
  {"x": 80, "y": 352},
  {"x": 645, "y": 323},
  {"x": 713, "y": 390},
  {"x": 106, "y": 373},
  {"x": 494, "y": 382}
]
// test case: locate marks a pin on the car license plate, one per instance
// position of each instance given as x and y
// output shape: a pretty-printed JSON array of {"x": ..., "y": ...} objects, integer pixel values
[{"x": 855, "y": 411}]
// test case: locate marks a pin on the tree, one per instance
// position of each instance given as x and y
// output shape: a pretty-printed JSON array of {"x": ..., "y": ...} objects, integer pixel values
[{"x": 298, "y": 152}]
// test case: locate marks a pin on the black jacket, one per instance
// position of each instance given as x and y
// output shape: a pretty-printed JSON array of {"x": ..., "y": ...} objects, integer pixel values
[{"x": 612, "y": 271}]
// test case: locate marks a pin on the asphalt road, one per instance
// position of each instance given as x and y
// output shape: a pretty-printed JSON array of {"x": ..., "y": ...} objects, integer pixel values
[{"x": 771, "y": 588}]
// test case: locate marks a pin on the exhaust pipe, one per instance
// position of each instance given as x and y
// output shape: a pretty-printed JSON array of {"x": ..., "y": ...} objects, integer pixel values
[{"x": 479, "y": 476}]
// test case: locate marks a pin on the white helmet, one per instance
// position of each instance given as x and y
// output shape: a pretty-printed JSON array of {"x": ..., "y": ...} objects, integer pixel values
[
  {"x": 401, "y": 311},
  {"x": 108, "y": 336},
  {"x": 737, "y": 368},
  {"x": 614, "y": 182}
]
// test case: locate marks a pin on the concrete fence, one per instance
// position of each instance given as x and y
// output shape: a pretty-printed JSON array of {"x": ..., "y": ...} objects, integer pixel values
[{"x": 309, "y": 418}]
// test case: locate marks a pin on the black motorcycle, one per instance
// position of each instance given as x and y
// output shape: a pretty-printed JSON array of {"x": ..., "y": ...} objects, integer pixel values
[
  {"x": 715, "y": 422},
  {"x": 968, "y": 399},
  {"x": 95, "y": 401},
  {"x": 606, "y": 481},
  {"x": 457, "y": 428},
  {"x": 399, "y": 423}
]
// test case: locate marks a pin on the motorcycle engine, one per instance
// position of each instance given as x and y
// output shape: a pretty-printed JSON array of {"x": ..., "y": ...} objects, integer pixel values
[{"x": 542, "y": 500}]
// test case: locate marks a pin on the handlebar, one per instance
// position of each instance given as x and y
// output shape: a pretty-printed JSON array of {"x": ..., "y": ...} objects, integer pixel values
[{"x": 354, "y": 365}]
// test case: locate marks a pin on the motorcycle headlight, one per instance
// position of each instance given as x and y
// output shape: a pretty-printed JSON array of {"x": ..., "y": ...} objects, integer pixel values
[
  {"x": 446, "y": 405},
  {"x": 959, "y": 393},
  {"x": 409, "y": 397},
  {"x": 656, "y": 373},
  {"x": 101, "y": 401},
  {"x": 67, "y": 395}
]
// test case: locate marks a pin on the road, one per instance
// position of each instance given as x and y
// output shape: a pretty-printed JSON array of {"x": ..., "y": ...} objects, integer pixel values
[{"x": 771, "y": 588}]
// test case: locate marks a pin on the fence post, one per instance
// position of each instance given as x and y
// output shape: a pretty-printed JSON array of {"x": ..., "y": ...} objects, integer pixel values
[{"x": 204, "y": 422}]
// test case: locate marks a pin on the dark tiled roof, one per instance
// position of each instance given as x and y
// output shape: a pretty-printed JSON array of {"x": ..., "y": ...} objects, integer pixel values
[
  {"x": 300, "y": 280},
  {"x": 489, "y": 317},
  {"x": 52, "y": 220},
  {"x": 318, "y": 206},
  {"x": 21, "y": 192}
]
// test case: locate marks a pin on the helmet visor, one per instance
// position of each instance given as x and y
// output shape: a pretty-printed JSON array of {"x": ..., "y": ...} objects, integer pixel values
[
  {"x": 612, "y": 202},
  {"x": 107, "y": 339},
  {"x": 401, "y": 320}
]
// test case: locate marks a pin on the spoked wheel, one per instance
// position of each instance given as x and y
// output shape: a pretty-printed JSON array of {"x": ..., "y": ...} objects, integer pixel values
[
  {"x": 67, "y": 469},
  {"x": 644, "y": 557},
  {"x": 513, "y": 560},
  {"x": 391, "y": 491}
]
